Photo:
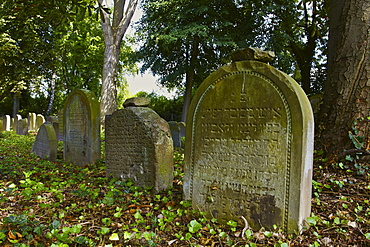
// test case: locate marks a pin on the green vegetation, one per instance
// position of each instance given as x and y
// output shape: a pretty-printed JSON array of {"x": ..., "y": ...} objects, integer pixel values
[{"x": 46, "y": 203}]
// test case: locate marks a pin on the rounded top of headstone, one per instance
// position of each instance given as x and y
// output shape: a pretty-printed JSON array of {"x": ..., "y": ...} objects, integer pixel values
[
  {"x": 252, "y": 53},
  {"x": 136, "y": 102}
]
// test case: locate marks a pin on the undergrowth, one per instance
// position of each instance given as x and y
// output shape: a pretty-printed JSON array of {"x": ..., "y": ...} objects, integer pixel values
[{"x": 46, "y": 203}]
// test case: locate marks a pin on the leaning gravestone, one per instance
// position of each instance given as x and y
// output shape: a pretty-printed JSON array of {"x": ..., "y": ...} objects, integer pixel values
[
  {"x": 22, "y": 126},
  {"x": 46, "y": 143},
  {"x": 249, "y": 145},
  {"x": 81, "y": 128},
  {"x": 7, "y": 123},
  {"x": 138, "y": 146}
]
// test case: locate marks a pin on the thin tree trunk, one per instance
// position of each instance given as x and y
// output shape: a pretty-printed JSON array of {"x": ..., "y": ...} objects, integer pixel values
[
  {"x": 347, "y": 89},
  {"x": 189, "y": 80},
  {"x": 52, "y": 95}
]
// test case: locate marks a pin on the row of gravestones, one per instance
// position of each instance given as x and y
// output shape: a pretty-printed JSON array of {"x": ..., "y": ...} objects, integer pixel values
[
  {"x": 22, "y": 125},
  {"x": 248, "y": 152}
]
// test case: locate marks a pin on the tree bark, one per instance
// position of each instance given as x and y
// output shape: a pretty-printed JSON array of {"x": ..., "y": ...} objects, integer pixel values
[
  {"x": 347, "y": 89},
  {"x": 189, "y": 80},
  {"x": 52, "y": 94},
  {"x": 113, "y": 35}
]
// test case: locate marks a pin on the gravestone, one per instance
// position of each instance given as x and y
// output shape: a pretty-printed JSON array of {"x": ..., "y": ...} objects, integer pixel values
[
  {"x": 15, "y": 122},
  {"x": 22, "y": 126},
  {"x": 46, "y": 143},
  {"x": 40, "y": 120},
  {"x": 177, "y": 132},
  {"x": 60, "y": 135},
  {"x": 81, "y": 128},
  {"x": 249, "y": 146},
  {"x": 54, "y": 121},
  {"x": 32, "y": 121},
  {"x": 138, "y": 146},
  {"x": 7, "y": 123}
]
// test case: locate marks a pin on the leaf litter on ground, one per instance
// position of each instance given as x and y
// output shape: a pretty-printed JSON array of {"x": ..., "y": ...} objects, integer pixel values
[{"x": 45, "y": 203}]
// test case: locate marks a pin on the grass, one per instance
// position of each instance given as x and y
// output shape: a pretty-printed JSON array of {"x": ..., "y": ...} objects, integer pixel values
[{"x": 46, "y": 203}]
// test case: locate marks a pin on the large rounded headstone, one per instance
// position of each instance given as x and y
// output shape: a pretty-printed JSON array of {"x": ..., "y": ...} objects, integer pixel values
[{"x": 249, "y": 147}]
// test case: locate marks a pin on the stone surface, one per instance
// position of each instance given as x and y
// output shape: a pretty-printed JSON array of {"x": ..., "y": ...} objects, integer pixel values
[
  {"x": 136, "y": 101},
  {"x": 6, "y": 123},
  {"x": 249, "y": 147},
  {"x": 252, "y": 53},
  {"x": 15, "y": 122},
  {"x": 46, "y": 143},
  {"x": 32, "y": 121},
  {"x": 177, "y": 133},
  {"x": 40, "y": 120},
  {"x": 138, "y": 146},
  {"x": 81, "y": 128},
  {"x": 22, "y": 126},
  {"x": 60, "y": 135}
]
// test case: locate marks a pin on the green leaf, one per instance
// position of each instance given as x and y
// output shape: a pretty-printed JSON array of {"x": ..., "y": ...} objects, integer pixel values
[
  {"x": 114, "y": 237},
  {"x": 268, "y": 234},
  {"x": 194, "y": 226},
  {"x": 336, "y": 220},
  {"x": 367, "y": 235},
  {"x": 311, "y": 221}
]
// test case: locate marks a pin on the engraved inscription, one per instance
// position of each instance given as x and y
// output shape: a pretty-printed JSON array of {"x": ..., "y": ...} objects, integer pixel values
[
  {"x": 240, "y": 154},
  {"x": 129, "y": 149},
  {"x": 78, "y": 141}
]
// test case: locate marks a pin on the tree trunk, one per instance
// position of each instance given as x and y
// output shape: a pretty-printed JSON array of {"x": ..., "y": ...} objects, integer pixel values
[
  {"x": 347, "y": 89},
  {"x": 52, "y": 95},
  {"x": 189, "y": 80},
  {"x": 15, "y": 104},
  {"x": 113, "y": 35}
]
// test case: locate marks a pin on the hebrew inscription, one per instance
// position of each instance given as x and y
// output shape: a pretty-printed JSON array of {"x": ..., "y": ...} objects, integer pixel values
[
  {"x": 241, "y": 150},
  {"x": 81, "y": 123}
]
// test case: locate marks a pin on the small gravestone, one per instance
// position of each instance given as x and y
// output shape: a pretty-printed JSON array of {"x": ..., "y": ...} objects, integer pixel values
[
  {"x": 7, "y": 123},
  {"x": 32, "y": 121},
  {"x": 60, "y": 135},
  {"x": 177, "y": 132},
  {"x": 22, "y": 126},
  {"x": 81, "y": 128},
  {"x": 40, "y": 120},
  {"x": 54, "y": 121},
  {"x": 46, "y": 143},
  {"x": 15, "y": 122},
  {"x": 138, "y": 146},
  {"x": 249, "y": 146}
]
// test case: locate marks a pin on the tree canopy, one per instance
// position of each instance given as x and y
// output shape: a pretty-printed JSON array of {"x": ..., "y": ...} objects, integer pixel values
[{"x": 183, "y": 41}]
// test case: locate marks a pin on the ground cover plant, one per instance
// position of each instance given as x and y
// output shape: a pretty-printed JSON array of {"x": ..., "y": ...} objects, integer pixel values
[{"x": 46, "y": 203}]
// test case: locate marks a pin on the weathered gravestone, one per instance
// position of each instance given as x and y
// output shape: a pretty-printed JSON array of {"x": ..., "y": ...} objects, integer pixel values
[
  {"x": 177, "y": 132},
  {"x": 81, "y": 128},
  {"x": 15, "y": 122},
  {"x": 46, "y": 143},
  {"x": 54, "y": 121},
  {"x": 60, "y": 135},
  {"x": 32, "y": 121},
  {"x": 7, "y": 123},
  {"x": 22, "y": 126},
  {"x": 138, "y": 146},
  {"x": 40, "y": 120},
  {"x": 249, "y": 147}
]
